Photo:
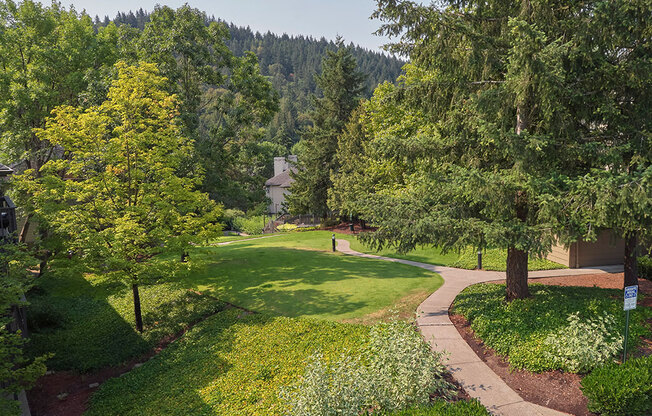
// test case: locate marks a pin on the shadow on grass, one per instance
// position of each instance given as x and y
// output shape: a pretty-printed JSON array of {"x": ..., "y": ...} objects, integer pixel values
[
  {"x": 88, "y": 326},
  {"x": 296, "y": 282}
]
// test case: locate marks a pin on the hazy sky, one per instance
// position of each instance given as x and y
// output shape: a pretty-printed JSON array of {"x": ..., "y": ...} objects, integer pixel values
[{"x": 318, "y": 18}]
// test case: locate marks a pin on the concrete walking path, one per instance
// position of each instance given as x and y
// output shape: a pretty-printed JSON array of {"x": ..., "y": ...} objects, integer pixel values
[
  {"x": 240, "y": 240},
  {"x": 469, "y": 370}
]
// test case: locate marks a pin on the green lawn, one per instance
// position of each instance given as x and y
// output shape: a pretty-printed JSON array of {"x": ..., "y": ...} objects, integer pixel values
[
  {"x": 297, "y": 274},
  {"x": 492, "y": 259},
  {"x": 87, "y": 321},
  {"x": 526, "y": 330}
]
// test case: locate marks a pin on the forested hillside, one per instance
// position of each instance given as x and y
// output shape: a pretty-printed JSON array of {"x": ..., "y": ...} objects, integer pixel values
[{"x": 291, "y": 63}]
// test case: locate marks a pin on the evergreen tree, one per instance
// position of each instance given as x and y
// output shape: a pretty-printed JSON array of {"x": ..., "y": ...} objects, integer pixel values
[
  {"x": 341, "y": 85},
  {"x": 493, "y": 124}
]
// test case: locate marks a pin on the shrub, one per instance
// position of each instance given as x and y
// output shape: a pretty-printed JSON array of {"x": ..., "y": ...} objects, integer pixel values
[
  {"x": 230, "y": 216},
  {"x": 249, "y": 225},
  {"x": 523, "y": 330},
  {"x": 624, "y": 389},
  {"x": 583, "y": 345},
  {"x": 442, "y": 408},
  {"x": 396, "y": 370},
  {"x": 645, "y": 267},
  {"x": 287, "y": 227}
]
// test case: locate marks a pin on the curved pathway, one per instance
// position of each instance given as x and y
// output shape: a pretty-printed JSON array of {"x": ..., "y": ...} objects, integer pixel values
[{"x": 469, "y": 370}]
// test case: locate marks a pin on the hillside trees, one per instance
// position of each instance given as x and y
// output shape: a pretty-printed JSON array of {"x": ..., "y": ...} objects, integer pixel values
[
  {"x": 224, "y": 100},
  {"x": 341, "y": 85},
  {"x": 117, "y": 196},
  {"x": 48, "y": 57},
  {"x": 497, "y": 124}
]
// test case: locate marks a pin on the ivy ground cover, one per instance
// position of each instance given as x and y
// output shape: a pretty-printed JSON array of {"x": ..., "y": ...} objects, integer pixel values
[
  {"x": 573, "y": 329},
  {"x": 87, "y": 323}
]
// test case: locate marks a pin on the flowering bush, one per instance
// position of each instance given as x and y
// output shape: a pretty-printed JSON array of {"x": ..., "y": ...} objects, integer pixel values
[
  {"x": 585, "y": 344},
  {"x": 396, "y": 370}
]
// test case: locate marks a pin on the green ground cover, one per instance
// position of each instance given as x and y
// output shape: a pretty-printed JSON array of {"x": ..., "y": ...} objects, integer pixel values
[
  {"x": 88, "y": 323},
  {"x": 296, "y": 274},
  {"x": 442, "y": 408},
  {"x": 492, "y": 259},
  {"x": 569, "y": 328},
  {"x": 229, "y": 364}
]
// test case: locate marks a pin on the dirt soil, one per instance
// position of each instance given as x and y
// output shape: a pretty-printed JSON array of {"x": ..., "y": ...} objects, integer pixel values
[{"x": 554, "y": 389}]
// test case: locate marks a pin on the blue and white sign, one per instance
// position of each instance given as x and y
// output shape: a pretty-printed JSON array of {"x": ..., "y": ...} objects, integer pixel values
[{"x": 630, "y": 297}]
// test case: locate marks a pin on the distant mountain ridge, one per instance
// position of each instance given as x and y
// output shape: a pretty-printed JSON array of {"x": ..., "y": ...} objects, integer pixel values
[{"x": 290, "y": 62}]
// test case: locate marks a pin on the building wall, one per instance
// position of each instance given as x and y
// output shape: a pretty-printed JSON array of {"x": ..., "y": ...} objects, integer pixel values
[
  {"x": 605, "y": 251},
  {"x": 277, "y": 195}
]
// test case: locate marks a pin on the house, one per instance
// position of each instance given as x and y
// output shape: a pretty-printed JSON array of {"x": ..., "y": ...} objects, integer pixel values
[
  {"x": 605, "y": 251},
  {"x": 278, "y": 186}
]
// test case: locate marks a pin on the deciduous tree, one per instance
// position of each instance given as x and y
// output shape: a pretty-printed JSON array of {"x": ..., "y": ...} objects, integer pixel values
[{"x": 117, "y": 194}]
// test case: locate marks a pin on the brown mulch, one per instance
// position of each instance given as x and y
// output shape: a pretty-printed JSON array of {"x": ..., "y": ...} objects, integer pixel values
[{"x": 554, "y": 389}]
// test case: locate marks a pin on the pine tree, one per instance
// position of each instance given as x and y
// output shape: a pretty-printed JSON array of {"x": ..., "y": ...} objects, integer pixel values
[
  {"x": 341, "y": 85},
  {"x": 495, "y": 121}
]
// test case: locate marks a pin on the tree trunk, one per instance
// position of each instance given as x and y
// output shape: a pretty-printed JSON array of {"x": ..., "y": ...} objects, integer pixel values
[
  {"x": 25, "y": 229},
  {"x": 517, "y": 274},
  {"x": 137, "y": 313},
  {"x": 631, "y": 266}
]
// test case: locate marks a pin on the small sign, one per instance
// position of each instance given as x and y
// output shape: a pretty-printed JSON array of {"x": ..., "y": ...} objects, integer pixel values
[{"x": 630, "y": 297}]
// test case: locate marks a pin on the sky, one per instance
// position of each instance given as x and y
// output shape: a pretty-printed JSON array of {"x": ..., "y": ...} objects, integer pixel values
[{"x": 327, "y": 18}]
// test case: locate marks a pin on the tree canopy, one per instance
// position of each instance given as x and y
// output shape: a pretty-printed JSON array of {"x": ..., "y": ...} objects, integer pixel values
[
  {"x": 117, "y": 195},
  {"x": 341, "y": 84},
  {"x": 489, "y": 131}
]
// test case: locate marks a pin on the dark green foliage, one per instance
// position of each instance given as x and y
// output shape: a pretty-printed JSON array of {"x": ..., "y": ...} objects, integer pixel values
[
  {"x": 645, "y": 267},
  {"x": 229, "y": 364},
  {"x": 290, "y": 63},
  {"x": 87, "y": 322},
  {"x": 620, "y": 389},
  {"x": 518, "y": 330},
  {"x": 504, "y": 108},
  {"x": 442, "y": 408},
  {"x": 17, "y": 372},
  {"x": 341, "y": 86}
]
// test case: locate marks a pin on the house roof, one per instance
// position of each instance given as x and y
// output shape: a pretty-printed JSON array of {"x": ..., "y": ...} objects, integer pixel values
[
  {"x": 5, "y": 170},
  {"x": 283, "y": 179}
]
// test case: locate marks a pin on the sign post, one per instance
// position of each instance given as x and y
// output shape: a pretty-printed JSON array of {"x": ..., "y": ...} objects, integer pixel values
[{"x": 631, "y": 293}]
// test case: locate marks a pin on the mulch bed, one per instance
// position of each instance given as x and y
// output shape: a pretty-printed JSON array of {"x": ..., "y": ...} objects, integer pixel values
[{"x": 554, "y": 389}]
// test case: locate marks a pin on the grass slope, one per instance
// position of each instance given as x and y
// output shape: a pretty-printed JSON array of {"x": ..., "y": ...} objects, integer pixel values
[
  {"x": 229, "y": 364},
  {"x": 88, "y": 323},
  {"x": 518, "y": 329},
  {"x": 492, "y": 259},
  {"x": 296, "y": 274}
]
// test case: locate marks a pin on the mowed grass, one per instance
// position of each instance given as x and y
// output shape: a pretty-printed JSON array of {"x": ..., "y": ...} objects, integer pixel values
[
  {"x": 87, "y": 321},
  {"x": 297, "y": 275},
  {"x": 230, "y": 364},
  {"x": 492, "y": 259}
]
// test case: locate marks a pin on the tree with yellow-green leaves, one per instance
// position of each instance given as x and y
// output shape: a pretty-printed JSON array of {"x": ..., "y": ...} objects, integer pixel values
[{"x": 116, "y": 195}]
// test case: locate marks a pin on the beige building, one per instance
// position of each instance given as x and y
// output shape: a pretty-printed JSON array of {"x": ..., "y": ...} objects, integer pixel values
[
  {"x": 605, "y": 251},
  {"x": 278, "y": 186}
]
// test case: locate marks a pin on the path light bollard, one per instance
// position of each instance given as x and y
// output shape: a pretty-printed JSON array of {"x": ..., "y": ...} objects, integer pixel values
[
  {"x": 333, "y": 238},
  {"x": 479, "y": 259}
]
